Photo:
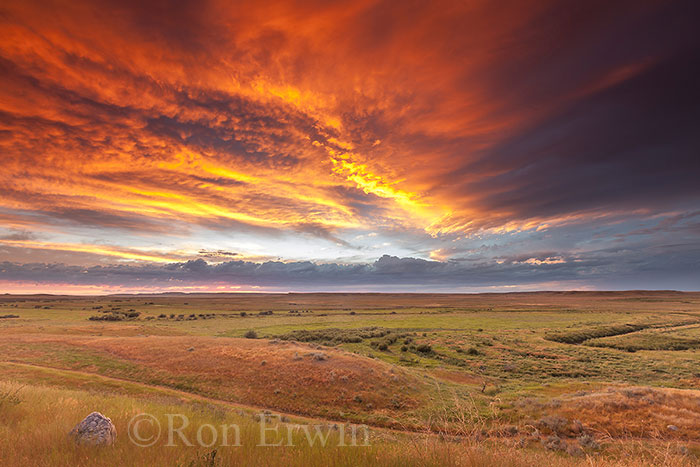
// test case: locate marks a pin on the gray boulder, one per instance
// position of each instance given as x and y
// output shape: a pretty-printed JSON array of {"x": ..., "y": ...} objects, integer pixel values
[{"x": 94, "y": 430}]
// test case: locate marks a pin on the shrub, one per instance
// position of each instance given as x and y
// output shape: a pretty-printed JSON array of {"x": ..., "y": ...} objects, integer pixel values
[
  {"x": 250, "y": 334},
  {"x": 109, "y": 317},
  {"x": 319, "y": 356},
  {"x": 580, "y": 336},
  {"x": 335, "y": 335},
  {"x": 424, "y": 348},
  {"x": 472, "y": 351}
]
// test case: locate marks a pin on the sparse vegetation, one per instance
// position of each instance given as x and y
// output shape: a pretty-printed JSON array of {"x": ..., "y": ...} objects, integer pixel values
[
  {"x": 580, "y": 336},
  {"x": 335, "y": 335},
  {"x": 498, "y": 368}
]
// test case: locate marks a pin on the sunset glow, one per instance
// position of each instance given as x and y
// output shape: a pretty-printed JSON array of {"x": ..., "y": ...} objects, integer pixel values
[{"x": 360, "y": 145}]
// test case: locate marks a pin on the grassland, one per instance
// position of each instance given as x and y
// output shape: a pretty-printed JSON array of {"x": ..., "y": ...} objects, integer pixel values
[{"x": 494, "y": 379}]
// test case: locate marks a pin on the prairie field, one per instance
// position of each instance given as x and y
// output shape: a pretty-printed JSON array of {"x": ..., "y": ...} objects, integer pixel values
[{"x": 548, "y": 378}]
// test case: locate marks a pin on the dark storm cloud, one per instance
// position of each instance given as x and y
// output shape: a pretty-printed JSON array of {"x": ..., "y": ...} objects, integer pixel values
[
  {"x": 616, "y": 105},
  {"x": 634, "y": 145},
  {"x": 611, "y": 268},
  {"x": 533, "y": 141}
]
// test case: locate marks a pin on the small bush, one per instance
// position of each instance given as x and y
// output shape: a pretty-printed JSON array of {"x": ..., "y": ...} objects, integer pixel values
[
  {"x": 250, "y": 334},
  {"x": 472, "y": 351},
  {"x": 109, "y": 317},
  {"x": 335, "y": 335},
  {"x": 424, "y": 348}
]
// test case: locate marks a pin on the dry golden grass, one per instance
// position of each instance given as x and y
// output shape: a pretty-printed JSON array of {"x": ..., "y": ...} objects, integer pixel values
[
  {"x": 492, "y": 390},
  {"x": 639, "y": 412},
  {"x": 290, "y": 377},
  {"x": 33, "y": 431}
]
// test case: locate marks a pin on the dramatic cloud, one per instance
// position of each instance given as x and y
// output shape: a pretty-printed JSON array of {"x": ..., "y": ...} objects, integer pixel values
[
  {"x": 611, "y": 269},
  {"x": 337, "y": 132}
]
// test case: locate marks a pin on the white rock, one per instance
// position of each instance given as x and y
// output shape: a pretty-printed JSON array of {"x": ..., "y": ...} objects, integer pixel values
[{"x": 94, "y": 430}]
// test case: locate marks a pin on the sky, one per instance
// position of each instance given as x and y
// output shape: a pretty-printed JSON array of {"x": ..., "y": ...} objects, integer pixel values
[{"x": 364, "y": 145}]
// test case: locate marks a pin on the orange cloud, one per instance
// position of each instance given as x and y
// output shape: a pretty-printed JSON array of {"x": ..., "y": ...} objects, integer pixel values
[
  {"x": 317, "y": 117},
  {"x": 100, "y": 250}
]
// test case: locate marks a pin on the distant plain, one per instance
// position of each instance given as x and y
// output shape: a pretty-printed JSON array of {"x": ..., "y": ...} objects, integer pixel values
[{"x": 499, "y": 379}]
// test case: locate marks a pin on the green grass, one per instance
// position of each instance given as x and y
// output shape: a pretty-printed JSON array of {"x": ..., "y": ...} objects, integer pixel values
[{"x": 492, "y": 351}]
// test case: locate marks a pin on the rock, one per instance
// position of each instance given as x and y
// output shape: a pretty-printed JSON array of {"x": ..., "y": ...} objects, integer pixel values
[
  {"x": 672, "y": 427},
  {"x": 94, "y": 430}
]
